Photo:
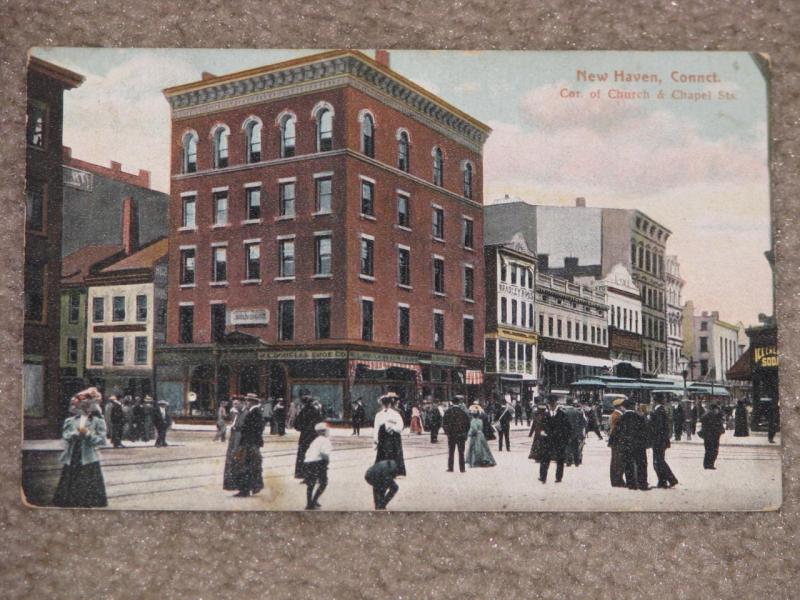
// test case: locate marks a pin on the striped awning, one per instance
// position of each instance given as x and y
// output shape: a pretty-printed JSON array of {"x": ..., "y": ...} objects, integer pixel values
[
  {"x": 382, "y": 365},
  {"x": 474, "y": 377}
]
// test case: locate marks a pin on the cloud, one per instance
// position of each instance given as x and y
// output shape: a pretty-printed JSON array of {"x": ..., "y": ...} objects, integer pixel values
[{"x": 468, "y": 87}]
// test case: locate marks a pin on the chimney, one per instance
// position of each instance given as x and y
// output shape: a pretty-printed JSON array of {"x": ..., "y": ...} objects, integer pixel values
[
  {"x": 115, "y": 166},
  {"x": 543, "y": 262},
  {"x": 144, "y": 178},
  {"x": 205, "y": 76},
  {"x": 66, "y": 153},
  {"x": 570, "y": 267},
  {"x": 382, "y": 57},
  {"x": 129, "y": 234},
  {"x": 580, "y": 202}
]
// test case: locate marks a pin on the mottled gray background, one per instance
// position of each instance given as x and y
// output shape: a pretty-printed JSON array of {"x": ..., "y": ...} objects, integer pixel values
[{"x": 55, "y": 554}]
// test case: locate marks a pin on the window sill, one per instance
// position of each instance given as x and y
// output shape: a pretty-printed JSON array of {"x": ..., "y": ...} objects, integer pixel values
[
  {"x": 218, "y": 283},
  {"x": 291, "y": 278},
  {"x": 185, "y": 229},
  {"x": 321, "y": 213},
  {"x": 187, "y": 285},
  {"x": 438, "y": 239},
  {"x": 403, "y": 228},
  {"x": 468, "y": 248},
  {"x": 322, "y": 276},
  {"x": 439, "y": 294},
  {"x": 366, "y": 277},
  {"x": 367, "y": 217},
  {"x": 250, "y": 282},
  {"x": 221, "y": 226},
  {"x": 470, "y": 300},
  {"x": 403, "y": 286},
  {"x": 251, "y": 222},
  {"x": 285, "y": 218}
]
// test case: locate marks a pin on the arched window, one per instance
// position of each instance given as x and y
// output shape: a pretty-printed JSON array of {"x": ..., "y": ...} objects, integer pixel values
[
  {"x": 402, "y": 151},
  {"x": 368, "y": 135},
  {"x": 324, "y": 129},
  {"x": 252, "y": 131},
  {"x": 438, "y": 166},
  {"x": 220, "y": 145},
  {"x": 287, "y": 136},
  {"x": 468, "y": 180},
  {"x": 190, "y": 152}
]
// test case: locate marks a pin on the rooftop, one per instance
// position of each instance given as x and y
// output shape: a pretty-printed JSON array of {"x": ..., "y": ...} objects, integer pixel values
[
  {"x": 75, "y": 266},
  {"x": 143, "y": 258}
]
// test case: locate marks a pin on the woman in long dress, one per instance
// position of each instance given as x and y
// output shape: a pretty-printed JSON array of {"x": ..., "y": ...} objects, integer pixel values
[
  {"x": 237, "y": 417},
  {"x": 416, "y": 421},
  {"x": 741, "y": 428},
  {"x": 478, "y": 453},
  {"x": 81, "y": 484},
  {"x": 387, "y": 428},
  {"x": 536, "y": 431}
]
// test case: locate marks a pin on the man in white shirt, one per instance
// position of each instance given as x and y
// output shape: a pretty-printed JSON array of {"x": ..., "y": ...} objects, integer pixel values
[{"x": 315, "y": 466}]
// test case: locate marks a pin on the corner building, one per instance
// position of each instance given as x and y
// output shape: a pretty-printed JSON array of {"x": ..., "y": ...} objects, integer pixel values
[{"x": 326, "y": 226}]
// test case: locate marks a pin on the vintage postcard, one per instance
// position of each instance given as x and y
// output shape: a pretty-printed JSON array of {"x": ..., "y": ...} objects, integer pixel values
[{"x": 407, "y": 280}]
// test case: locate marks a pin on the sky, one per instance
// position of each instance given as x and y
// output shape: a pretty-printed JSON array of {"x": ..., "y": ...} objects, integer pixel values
[{"x": 697, "y": 166}]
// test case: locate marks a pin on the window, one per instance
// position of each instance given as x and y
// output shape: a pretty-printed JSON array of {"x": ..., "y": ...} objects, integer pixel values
[
  {"x": 220, "y": 143},
  {"x": 703, "y": 344},
  {"x": 286, "y": 258},
  {"x": 402, "y": 151},
  {"x": 35, "y": 205},
  {"x": 188, "y": 214},
  {"x": 593, "y": 335},
  {"x": 647, "y": 260},
  {"x": 98, "y": 309},
  {"x": 140, "y": 350},
  {"x": 324, "y": 194},
  {"x": 118, "y": 346},
  {"x": 322, "y": 255},
  {"x": 469, "y": 283},
  {"x": 37, "y": 117},
  {"x": 185, "y": 324},
  {"x": 367, "y": 248},
  {"x": 368, "y": 135},
  {"x": 74, "y": 312},
  {"x": 404, "y": 266},
  {"x": 190, "y": 152},
  {"x": 187, "y": 266},
  {"x": 438, "y": 330},
  {"x": 640, "y": 262},
  {"x": 118, "y": 308},
  {"x": 438, "y": 223},
  {"x": 404, "y": 325},
  {"x": 220, "y": 208},
  {"x": 438, "y": 166},
  {"x": 287, "y": 136},
  {"x": 252, "y": 261},
  {"x": 141, "y": 307},
  {"x": 367, "y": 198},
  {"x": 569, "y": 330},
  {"x": 513, "y": 275},
  {"x": 324, "y": 130},
  {"x": 633, "y": 253},
  {"x": 541, "y": 325},
  {"x": 366, "y": 320},
  {"x": 530, "y": 316},
  {"x": 468, "y": 229},
  {"x": 403, "y": 211},
  {"x": 97, "y": 351},
  {"x": 585, "y": 333},
  {"x": 550, "y": 326},
  {"x": 438, "y": 275},
  {"x": 286, "y": 319},
  {"x": 252, "y": 203},
  {"x": 253, "y": 140},
  {"x": 218, "y": 316},
  {"x": 503, "y": 271},
  {"x": 469, "y": 335},
  {"x": 704, "y": 367},
  {"x": 322, "y": 318},
  {"x": 513, "y": 312},
  {"x": 72, "y": 350},
  {"x": 704, "y": 326},
  {"x": 503, "y": 310},
  {"x": 559, "y": 332},
  {"x": 219, "y": 264},
  {"x": 287, "y": 199},
  {"x": 468, "y": 180}
]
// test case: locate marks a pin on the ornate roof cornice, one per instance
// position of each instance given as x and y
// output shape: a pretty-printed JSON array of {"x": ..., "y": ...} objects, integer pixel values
[{"x": 326, "y": 71}]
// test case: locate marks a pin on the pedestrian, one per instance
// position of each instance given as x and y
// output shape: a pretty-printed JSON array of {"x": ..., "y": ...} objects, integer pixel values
[
  {"x": 236, "y": 416},
  {"x": 435, "y": 421},
  {"x": 592, "y": 423},
  {"x": 677, "y": 420},
  {"x": 315, "y": 466},
  {"x": 358, "y": 416},
  {"x": 537, "y": 425},
  {"x": 633, "y": 432},
  {"x": 416, "y": 420},
  {"x": 617, "y": 469},
  {"x": 688, "y": 419},
  {"x": 488, "y": 428},
  {"x": 741, "y": 429},
  {"x": 291, "y": 413},
  {"x": 279, "y": 417},
  {"x": 503, "y": 424},
  {"x": 162, "y": 421},
  {"x": 116, "y": 421},
  {"x": 222, "y": 425},
  {"x": 517, "y": 411},
  {"x": 387, "y": 429},
  {"x": 304, "y": 422},
  {"x": 772, "y": 420},
  {"x": 381, "y": 476},
  {"x": 713, "y": 428},
  {"x": 148, "y": 428},
  {"x": 108, "y": 406},
  {"x": 127, "y": 408},
  {"x": 267, "y": 412},
  {"x": 660, "y": 430},
  {"x": 248, "y": 463},
  {"x": 577, "y": 424},
  {"x": 456, "y": 424},
  {"x": 137, "y": 412},
  {"x": 528, "y": 406},
  {"x": 478, "y": 452},
  {"x": 81, "y": 484},
  {"x": 555, "y": 434}
]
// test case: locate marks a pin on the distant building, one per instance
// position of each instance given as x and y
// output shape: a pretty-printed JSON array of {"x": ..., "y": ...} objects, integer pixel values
[
  {"x": 713, "y": 346},
  {"x": 43, "y": 412},
  {"x": 675, "y": 285}
]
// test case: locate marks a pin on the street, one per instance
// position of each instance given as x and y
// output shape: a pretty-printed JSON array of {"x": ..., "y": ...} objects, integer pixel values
[{"x": 188, "y": 476}]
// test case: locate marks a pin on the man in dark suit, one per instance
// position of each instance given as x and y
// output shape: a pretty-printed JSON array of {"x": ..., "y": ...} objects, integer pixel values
[
  {"x": 161, "y": 421},
  {"x": 434, "y": 421},
  {"x": 249, "y": 478},
  {"x": 117, "y": 424},
  {"x": 358, "y": 416},
  {"x": 304, "y": 422},
  {"x": 455, "y": 423},
  {"x": 555, "y": 435},
  {"x": 677, "y": 421},
  {"x": 504, "y": 416},
  {"x": 659, "y": 426},
  {"x": 713, "y": 428},
  {"x": 634, "y": 437}
]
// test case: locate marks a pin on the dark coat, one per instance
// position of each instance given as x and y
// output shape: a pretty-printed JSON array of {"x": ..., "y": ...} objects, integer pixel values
[
  {"x": 434, "y": 418},
  {"x": 117, "y": 414},
  {"x": 557, "y": 429},
  {"x": 358, "y": 414},
  {"x": 713, "y": 426},
  {"x": 504, "y": 415},
  {"x": 160, "y": 422},
  {"x": 253, "y": 428},
  {"x": 659, "y": 426},
  {"x": 741, "y": 429},
  {"x": 633, "y": 432},
  {"x": 456, "y": 422},
  {"x": 304, "y": 423}
]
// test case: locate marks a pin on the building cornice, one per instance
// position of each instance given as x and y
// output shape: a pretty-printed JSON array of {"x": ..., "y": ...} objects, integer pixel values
[{"x": 70, "y": 79}]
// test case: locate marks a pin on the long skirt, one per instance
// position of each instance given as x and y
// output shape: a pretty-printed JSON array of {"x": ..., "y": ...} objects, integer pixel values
[
  {"x": 80, "y": 486},
  {"x": 229, "y": 477},
  {"x": 248, "y": 469},
  {"x": 390, "y": 447},
  {"x": 537, "y": 448},
  {"x": 478, "y": 452},
  {"x": 416, "y": 425}
]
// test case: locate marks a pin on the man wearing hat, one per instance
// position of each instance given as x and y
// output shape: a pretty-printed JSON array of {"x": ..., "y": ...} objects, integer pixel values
[
  {"x": 659, "y": 425},
  {"x": 633, "y": 432},
  {"x": 556, "y": 433},
  {"x": 162, "y": 421},
  {"x": 456, "y": 422},
  {"x": 304, "y": 422},
  {"x": 248, "y": 471},
  {"x": 315, "y": 466},
  {"x": 617, "y": 470},
  {"x": 713, "y": 428},
  {"x": 116, "y": 420}
]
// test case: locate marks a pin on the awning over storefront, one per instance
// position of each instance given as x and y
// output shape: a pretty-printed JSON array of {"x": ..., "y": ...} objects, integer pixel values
[
  {"x": 382, "y": 365},
  {"x": 742, "y": 369},
  {"x": 575, "y": 359},
  {"x": 474, "y": 377}
]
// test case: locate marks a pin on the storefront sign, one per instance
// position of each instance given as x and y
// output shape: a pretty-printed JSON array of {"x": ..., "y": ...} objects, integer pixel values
[
  {"x": 517, "y": 336},
  {"x": 766, "y": 356},
  {"x": 378, "y": 356},
  {"x": 302, "y": 355},
  {"x": 513, "y": 290},
  {"x": 249, "y": 316},
  {"x": 446, "y": 361},
  {"x": 83, "y": 180}
]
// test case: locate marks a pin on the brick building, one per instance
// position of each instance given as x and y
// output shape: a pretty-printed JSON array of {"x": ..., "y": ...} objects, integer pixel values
[
  {"x": 326, "y": 233},
  {"x": 43, "y": 221}
]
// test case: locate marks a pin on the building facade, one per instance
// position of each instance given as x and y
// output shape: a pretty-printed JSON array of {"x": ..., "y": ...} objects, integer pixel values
[
  {"x": 674, "y": 314},
  {"x": 43, "y": 412},
  {"x": 325, "y": 235},
  {"x": 511, "y": 339},
  {"x": 714, "y": 346}
]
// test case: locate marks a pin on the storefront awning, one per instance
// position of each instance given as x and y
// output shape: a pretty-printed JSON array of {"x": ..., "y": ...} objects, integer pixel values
[
  {"x": 575, "y": 359},
  {"x": 742, "y": 369},
  {"x": 474, "y": 377}
]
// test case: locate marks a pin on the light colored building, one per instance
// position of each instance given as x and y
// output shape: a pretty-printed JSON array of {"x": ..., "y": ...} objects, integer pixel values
[
  {"x": 714, "y": 345},
  {"x": 674, "y": 314}
]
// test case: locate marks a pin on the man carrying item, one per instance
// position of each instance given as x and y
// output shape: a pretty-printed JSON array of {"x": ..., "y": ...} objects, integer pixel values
[
  {"x": 381, "y": 477},
  {"x": 503, "y": 423},
  {"x": 315, "y": 466},
  {"x": 555, "y": 435},
  {"x": 713, "y": 428},
  {"x": 659, "y": 425},
  {"x": 249, "y": 476},
  {"x": 455, "y": 423}
]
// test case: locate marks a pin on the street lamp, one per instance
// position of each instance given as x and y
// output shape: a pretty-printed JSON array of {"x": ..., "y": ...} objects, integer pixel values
[{"x": 684, "y": 363}]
